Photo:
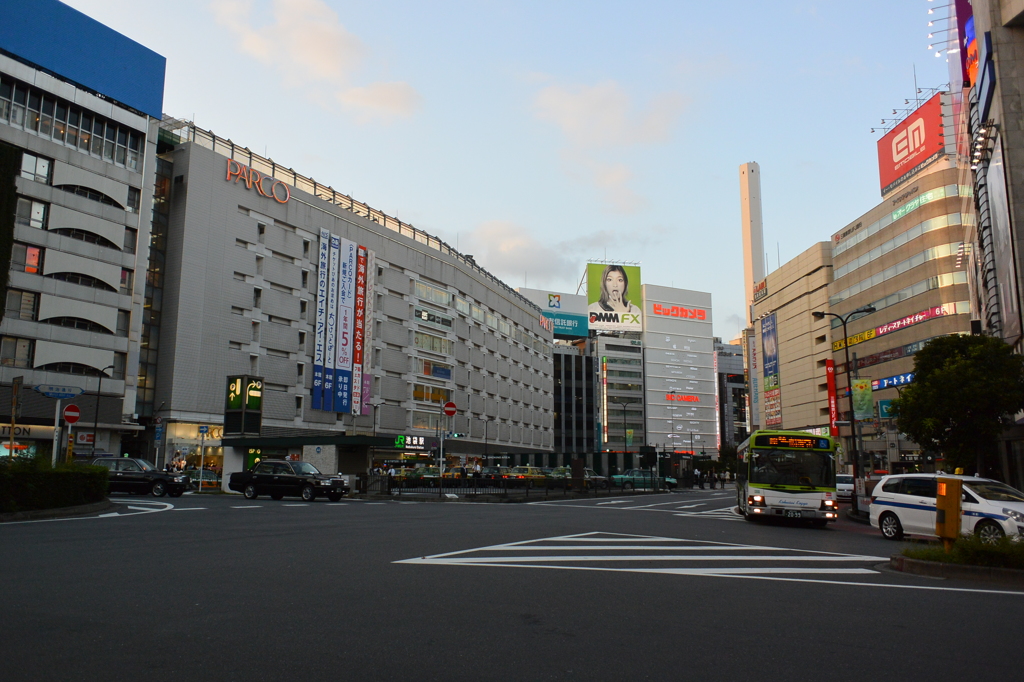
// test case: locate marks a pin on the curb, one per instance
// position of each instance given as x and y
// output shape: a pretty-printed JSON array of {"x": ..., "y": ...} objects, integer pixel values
[
  {"x": 58, "y": 512},
  {"x": 940, "y": 569},
  {"x": 859, "y": 518}
]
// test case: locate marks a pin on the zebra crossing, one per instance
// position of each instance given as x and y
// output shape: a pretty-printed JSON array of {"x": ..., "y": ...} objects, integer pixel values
[
  {"x": 699, "y": 508},
  {"x": 599, "y": 551}
]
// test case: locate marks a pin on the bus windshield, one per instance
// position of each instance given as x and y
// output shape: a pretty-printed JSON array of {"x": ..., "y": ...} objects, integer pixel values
[{"x": 792, "y": 467}]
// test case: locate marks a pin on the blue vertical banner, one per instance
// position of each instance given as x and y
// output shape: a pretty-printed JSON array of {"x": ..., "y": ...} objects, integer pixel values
[
  {"x": 320, "y": 336},
  {"x": 346, "y": 326},
  {"x": 771, "y": 388},
  {"x": 330, "y": 347}
]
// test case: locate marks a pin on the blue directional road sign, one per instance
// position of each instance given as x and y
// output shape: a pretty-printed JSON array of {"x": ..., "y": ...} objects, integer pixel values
[
  {"x": 59, "y": 392},
  {"x": 158, "y": 434},
  {"x": 204, "y": 429}
]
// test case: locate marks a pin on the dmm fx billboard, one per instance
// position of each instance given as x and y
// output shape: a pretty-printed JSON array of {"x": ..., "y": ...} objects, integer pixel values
[
  {"x": 567, "y": 312},
  {"x": 770, "y": 356},
  {"x": 614, "y": 298},
  {"x": 906, "y": 149},
  {"x": 343, "y": 289}
]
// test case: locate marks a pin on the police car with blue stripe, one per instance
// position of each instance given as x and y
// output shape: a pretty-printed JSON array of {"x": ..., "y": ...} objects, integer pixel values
[{"x": 904, "y": 504}]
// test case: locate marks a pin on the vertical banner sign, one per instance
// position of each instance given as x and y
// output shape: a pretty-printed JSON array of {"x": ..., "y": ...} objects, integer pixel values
[
  {"x": 360, "y": 318},
  {"x": 771, "y": 389},
  {"x": 833, "y": 406},
  {"x": 330, "y": 347},
  {"x": 863, "y": 407},
  {"x": 346, "y": 327},
  {"x": 718, "y": 416},
  {"x": 371, "y": 279},
  {"x": 320, "y": 340},
  {"x": 604, "y": 400}
]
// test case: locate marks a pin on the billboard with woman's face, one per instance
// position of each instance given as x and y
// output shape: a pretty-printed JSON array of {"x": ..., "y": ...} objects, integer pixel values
[{"x": 614, "y": 298}]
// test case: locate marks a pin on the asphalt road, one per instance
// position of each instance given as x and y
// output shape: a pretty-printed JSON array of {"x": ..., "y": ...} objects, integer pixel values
[{"x": 662, "y": 587}]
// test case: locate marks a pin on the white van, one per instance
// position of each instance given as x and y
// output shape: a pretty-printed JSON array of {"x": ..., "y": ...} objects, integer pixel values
[{"x": 905, "y": 504}]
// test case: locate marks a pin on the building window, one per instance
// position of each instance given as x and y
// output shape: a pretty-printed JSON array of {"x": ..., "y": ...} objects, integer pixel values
[
  {"x": 31, "y": 213},
  {"x": 300, "y": 372},
  {"x": 90, "y": 194},
  {"x": 305, "y": 248},
  {"x": 84, "y": 236},
  {"x": 25, "y": 258},
  {"x": 305, "y": 279},
  {"x": 298, "y": 406},
  {"x": 130, "y": 239},
  {"x": 21, "y": 305},
  {"x": 432, "y": 343},
  {"x": 255, "y": 332},
  {"x": 35, "y": 168},
  {"x": 134, "y": 200},
  {"x": 432, "y": 294},
  {"x": 15, "y": 352},
  {"x": 303, "y": 306},
  {"x": 259, "y": 265},
  {"x": 123, "y": 322},
  {"x": 254, "y": 364},
  {"x": 261, "y": 233},
  {"x": 302, "y": 341},
  {"x": 127, "y": 281},
  {"x": 257, "y": 297},
  {"x": 430, "y": 394}
]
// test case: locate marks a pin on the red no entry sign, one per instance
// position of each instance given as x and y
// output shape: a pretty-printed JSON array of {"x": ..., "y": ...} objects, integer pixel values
[
  {"x": 450, "y": 409},
  {"x": 71, "y": 414}
]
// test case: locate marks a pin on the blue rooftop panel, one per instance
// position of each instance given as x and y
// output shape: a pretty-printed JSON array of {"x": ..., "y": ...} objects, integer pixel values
[{"x": 66, "y": 42}]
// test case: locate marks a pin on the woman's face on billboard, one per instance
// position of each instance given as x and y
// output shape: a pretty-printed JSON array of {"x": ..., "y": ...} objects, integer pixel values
[{"x": 614, "y": 284}]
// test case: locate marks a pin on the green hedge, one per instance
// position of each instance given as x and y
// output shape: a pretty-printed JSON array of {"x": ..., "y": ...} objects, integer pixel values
[
  {"x": 28, "y": 484},
  {"x": 972, "y": 551}
]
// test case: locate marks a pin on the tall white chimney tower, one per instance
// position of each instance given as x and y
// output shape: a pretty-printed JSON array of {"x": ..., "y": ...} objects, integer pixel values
[{"x": 753, "y": 237}]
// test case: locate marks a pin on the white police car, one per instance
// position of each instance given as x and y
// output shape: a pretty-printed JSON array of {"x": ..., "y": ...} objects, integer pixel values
[{"x": 905, "y": 504}]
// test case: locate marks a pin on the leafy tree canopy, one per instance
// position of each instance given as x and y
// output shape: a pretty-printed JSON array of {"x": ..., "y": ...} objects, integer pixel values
[{"x": 965, "y": 389}]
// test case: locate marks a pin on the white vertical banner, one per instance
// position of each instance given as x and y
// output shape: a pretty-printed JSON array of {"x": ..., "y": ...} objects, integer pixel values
[
  {"x": 330, "y": 348},
  {"x": 320, "y": 337},
  {"x": 346, "y": 327},
  {"x": 371, "y": 279}
]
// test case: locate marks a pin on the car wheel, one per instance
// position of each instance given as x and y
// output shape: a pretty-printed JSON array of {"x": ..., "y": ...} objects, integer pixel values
[
  {"x": 627, "y": 486},
  {"x": 334, "y": 497},
  {"x": 989, "y": 532},
  {"x": 890, "y": 526},
  {"x": 277, "y": 496},
  {"x": 159, "y": 489},
  {"x": 250, "y": 492},
  {"x": 308, "y": 494}
]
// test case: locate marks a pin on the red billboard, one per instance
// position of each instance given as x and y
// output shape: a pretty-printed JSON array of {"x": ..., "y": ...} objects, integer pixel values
[{"x": 911, "y": 145}]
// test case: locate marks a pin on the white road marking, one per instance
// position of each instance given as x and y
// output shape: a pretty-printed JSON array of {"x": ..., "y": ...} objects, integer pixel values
[
  {"x": 691, "y": 506},
  {"x": 615, "y": 502},
  {"x": 248, "y": 506},
  {"x": 294, "y": 505},
  {"x": 189, "y": 508}
]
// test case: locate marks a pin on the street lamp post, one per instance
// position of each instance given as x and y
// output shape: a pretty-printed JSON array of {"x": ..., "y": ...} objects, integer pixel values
[
  {"x": 624, "y": 403},
  {"x": 96, "y": 414},
  {"x": 820, "y": 315}
]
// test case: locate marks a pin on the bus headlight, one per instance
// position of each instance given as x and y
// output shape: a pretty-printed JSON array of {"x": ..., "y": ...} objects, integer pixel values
[{"x": 828, "y": 504}]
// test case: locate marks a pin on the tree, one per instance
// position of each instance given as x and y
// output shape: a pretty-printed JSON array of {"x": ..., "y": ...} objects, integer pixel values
[{"x": 965, "y": 389}]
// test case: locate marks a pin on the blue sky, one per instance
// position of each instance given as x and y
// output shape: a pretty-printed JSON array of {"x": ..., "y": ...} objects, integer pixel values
[{"x": 538, "y": 135}]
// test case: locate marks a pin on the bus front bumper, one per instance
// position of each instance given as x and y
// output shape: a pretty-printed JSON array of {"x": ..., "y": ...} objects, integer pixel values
[{"x": 791, "y": 513}]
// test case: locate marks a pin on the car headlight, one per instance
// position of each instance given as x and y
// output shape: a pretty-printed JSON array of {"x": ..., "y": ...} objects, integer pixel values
[
  {"x": 179, "y": 479},
  {"x": 1014, "y": 514}
]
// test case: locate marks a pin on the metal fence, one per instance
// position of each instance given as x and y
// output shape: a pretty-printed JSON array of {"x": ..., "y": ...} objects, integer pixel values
[{"x": 506, "y": 488}]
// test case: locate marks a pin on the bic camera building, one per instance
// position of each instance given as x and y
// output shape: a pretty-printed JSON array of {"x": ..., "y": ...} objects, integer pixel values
[{"x": 153, "y": 260}]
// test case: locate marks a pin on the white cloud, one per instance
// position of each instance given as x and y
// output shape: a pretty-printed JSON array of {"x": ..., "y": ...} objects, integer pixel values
[
  {"x": 603, "y": 116},
  {"x": 306, "y": 44},
  {"x": 602, "y": 120},
  {"x": 515, "y": 255}
]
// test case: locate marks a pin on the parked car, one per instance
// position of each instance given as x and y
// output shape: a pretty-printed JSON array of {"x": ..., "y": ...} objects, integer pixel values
[
  {"x": 140, "y": 477},
  {"x": 905, "y": 505},
  {"x": 529, "y": 476},
  {"x": 641, "y": 478},
  {"x": 562, "y": 477},
  {"x": 844, "y": 487},
  {"x": 279, "y": 478},
  {"x": 211, "y": 479},
  {"x": 494, "y": 473}
]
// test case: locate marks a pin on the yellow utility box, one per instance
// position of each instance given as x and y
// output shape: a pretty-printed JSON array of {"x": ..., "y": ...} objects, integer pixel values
[{"x": 947, "y": 510}]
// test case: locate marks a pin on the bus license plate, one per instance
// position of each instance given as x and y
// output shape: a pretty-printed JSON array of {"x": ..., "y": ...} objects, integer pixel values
[{"x": 793, "y": 514}]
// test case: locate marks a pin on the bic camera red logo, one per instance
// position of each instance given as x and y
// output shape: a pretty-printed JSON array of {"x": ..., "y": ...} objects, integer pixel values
[{"x": 679, "y": 311}]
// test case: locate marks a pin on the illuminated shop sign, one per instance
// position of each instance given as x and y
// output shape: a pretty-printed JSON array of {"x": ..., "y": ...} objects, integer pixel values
[
  {"x": 266, "y": 185},
  {"x": 890, "y": 382},
  {"x": 896, "y": 325},
  {"x": 684, "y": 398},
  {"x": 411, "y": 442},
  {"x": 761, "y": 290},
  {"x": 679, "y": 311},
  {"x": 911, "y": 145}
]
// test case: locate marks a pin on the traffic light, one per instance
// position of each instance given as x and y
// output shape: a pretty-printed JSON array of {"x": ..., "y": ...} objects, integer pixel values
[{"x": 456, "y": 435}]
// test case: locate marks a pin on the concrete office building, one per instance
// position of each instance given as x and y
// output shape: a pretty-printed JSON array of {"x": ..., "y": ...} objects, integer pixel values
[
  {"x": 790, "y": 346},
  {"x": 994, "y": 140},
  {"x": 238, "y": 298},
  {"x": 732, "y": 393},
  {"x": 901, "y": 259},
  {"x": 575, "y": 428},
  {"x": 79, "y": 108}
]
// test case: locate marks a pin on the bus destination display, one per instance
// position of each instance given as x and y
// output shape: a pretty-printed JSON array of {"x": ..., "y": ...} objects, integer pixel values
[{"x": 796, "y": 442}]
